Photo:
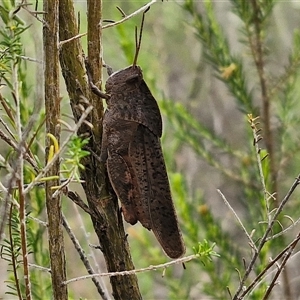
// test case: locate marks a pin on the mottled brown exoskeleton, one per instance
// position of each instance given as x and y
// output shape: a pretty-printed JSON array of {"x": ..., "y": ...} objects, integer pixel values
[{"x": 132, "y": 127}]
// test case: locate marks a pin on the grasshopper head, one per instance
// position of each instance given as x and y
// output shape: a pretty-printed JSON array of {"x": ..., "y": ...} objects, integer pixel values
[{"x": 124, "y": 80}]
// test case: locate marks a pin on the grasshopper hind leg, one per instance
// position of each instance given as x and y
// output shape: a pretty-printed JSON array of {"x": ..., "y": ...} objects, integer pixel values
[{"x": 121, "y": 180}]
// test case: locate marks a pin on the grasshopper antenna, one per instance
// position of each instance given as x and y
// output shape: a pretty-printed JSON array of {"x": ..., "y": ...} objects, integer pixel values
[{"x": 138, "y": 41}]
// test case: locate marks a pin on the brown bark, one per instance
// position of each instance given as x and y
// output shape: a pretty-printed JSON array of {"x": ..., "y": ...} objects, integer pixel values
[
  {"x": 52, "y": 107},
  {"x": 101, "y": 200}
]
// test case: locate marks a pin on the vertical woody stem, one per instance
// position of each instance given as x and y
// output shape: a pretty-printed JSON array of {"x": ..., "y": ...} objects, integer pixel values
[
  {"x": 52, "y": 107},
  {"x": 106, "y": 217}
]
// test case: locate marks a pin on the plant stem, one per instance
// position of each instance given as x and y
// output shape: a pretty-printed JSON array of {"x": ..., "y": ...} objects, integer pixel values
[
  {"x": 239, "y": 294},
  {"x": 12, "y": 250},
  {"x": 52, "y": 110},
  {"x": 268, "y": 134},
  {"x": 106, "y": 217},
  {"x": 258, "y": 55}
]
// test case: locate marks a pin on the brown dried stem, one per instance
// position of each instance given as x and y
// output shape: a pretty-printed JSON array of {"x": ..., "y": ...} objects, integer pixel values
[
  {"x": 22, "y": 213},
  {"x": 239, "y": 293},
  {"x": 286, "y": 257},
  {"x": 83, "y": 257},
  {"x": 102, "y": 202},
  {"x": 256, "y": 46},
  {"x": 52, "y": 108},
  {"x": 113, "y": 23},
  {"x": 181, "y": 260},
  {"x": 283, "y": 253}
]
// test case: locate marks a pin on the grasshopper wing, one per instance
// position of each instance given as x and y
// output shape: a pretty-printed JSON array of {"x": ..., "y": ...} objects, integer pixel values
[{"x": 148, "y": 163}]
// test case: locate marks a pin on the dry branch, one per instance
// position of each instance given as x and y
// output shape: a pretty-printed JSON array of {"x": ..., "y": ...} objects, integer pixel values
[
  {"x": 101, "y": 200},
  {"x": 52, "y": 108}
]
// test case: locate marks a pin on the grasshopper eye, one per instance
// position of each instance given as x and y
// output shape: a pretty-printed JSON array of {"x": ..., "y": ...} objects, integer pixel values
[{"x": 132, "y": 79}]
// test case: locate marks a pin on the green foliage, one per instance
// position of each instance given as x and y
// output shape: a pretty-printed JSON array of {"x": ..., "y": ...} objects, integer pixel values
[
  {"x": 10, "y": 43},
  {"x": 217, "y": 51},
  {"x": 213, "y": 148},
  {"x": 74, "y": 155},
  {"x": 14, "y": 73},
  {"x": 206, "y": 251},
  {"x": 11, "y": 252}
]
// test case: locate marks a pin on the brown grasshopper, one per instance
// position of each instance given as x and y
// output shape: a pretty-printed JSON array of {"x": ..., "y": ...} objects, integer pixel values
[{"x": 132, "y": 127}]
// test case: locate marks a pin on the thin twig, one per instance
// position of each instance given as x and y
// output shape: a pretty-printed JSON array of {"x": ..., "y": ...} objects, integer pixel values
[
  {"x": 283, "y": 231},
  {"x": 83, "y": 257},
  {"x": 78, "y": 36},
  {"x": 264, "y": 271},
  {"x": 7, "y": 109},
  {"x": 256, "y": 46},
  {"x": 39, "y": 267},
  {"x": 12, "y": 141},
  {"x": 40, "y": 222},
  {"x": 7, "y": 129},
  {"x": 127, "y": 17},
  {"x": 282, "y": 265},
  {"x": 15, "y": 146},
  {"x": 5, "y": 202},
  {"x": 63, "y": 186},
  {"x": 140, "y": 10},
  {"x": 237, "y": 295},
  {"x": 238, "y": 219},
  {"x": 79, "y": 202},
  {"x": 91, "y": 253},
  {"x": 253, "y": 123},
  {"x": 30, "y": 59},
  {"x": 35, "y": 15},
  {"x": 56, "y": 155},
  {"x": 20, "y": 181},
  {"x": 131, "y": 272}
]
